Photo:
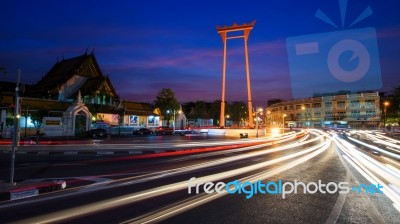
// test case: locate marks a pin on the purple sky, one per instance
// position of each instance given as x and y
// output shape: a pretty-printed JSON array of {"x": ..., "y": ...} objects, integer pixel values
[{"x": 145, "y": 46}]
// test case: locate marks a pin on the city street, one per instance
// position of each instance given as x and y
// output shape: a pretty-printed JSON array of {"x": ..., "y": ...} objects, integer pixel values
[
  {"x": 203, "y": 112},
  {"x": 155, "y": 187}
]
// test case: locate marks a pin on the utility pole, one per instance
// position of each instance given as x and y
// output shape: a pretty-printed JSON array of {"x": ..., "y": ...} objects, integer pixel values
[{"x": 15, "y": 141}]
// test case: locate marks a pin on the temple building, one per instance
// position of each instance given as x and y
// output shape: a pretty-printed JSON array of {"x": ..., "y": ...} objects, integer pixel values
[
  {"x": 69, "y": 76},
  {"x": 72, "y": 97}
]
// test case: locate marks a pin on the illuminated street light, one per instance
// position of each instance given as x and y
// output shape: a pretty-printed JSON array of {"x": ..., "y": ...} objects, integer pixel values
[
  {"x": 283, "y": 121},
  {"x": 258, "y": 111},
  {"x": 174, "y": 112},
  {"x": 227, "y": 117},
  {"x": 168, "y": 112},
  {"x": 386, "y": 104}
]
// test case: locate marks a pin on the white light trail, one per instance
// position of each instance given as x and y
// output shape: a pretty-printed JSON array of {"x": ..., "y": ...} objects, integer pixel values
[
  {"x": 135, "y": 197},
  {"x": 372, "y": 170}
]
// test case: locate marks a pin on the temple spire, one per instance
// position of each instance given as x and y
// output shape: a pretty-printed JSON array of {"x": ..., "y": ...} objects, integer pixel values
[{"x": 79, "y": 98}]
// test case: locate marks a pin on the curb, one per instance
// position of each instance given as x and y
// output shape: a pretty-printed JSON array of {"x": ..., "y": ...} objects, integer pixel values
[
  {"x": 27, "y": 190},
  {"x": 86, "y": 152}
]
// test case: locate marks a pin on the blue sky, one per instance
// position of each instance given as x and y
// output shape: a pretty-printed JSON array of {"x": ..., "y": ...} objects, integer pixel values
[{"x": 145, "y": 46}]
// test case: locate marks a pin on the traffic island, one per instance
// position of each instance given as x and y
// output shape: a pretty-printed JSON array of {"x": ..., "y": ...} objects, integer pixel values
[{"x": 10, "y": 192}]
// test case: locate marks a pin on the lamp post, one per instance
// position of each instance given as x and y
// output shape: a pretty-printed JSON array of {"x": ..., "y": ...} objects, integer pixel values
[
  {"x": 180, "y": 112},
  {"x": 174, "y": 112},
  {"x": 283, "y": 121},
  {"x": 15, "y": 141},
  {"x": 258, "y": 111},
  {"x": 168, "y": 111},
  {"x": 226, "y": 120},
  {"x": 386, "y": 104},
  {"x": 173, "y": 125}
]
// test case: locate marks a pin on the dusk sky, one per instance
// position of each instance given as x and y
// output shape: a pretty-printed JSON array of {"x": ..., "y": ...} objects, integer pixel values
[{"x": 145, "y": 46}]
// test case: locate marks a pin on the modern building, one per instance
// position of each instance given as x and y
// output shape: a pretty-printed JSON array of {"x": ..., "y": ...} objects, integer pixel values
[
  {"x": 74, "y": 96},
  {"x": 351, "y": 110}
]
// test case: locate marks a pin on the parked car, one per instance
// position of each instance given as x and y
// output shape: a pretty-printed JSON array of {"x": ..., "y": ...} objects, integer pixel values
[
  {"x": 185, "y": 132},
  {"x": 163, "y": 130},
  {"x": 97, "y": 133},
  {"x": 143, "y": 131}
]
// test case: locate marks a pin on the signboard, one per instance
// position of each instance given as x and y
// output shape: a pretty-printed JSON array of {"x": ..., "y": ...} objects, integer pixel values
[
  {"x": 133, "y": 120},
  {"x": 153, "y": 121},
  {"x": 24, "y": 194}
]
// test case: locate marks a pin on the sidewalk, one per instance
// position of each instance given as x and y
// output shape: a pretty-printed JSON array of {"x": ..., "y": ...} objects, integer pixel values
[
  {"x": 60, "y": 140},
  {"x": 69, "y": 149}
]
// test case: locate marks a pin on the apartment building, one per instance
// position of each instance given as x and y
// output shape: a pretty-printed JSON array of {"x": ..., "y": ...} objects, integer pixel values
[{"x": 358, "y": 110}]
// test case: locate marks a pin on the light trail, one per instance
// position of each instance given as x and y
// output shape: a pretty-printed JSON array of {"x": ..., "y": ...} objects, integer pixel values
[
  {"x": 372, "y": 170},
  {"x": 390, "y": 154},
  {"x": 299, "y": 157},
  {"x": 188, "y": 204},
  {"x": 163, "y": 174}
]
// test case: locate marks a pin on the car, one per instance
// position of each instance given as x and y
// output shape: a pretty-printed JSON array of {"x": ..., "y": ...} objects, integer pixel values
[
  {"x": 185, "y": 132},
  {"x": 163, "y": 130},
  {"x": 97, "y": 133},
  {"x": 143, "y": 131}
]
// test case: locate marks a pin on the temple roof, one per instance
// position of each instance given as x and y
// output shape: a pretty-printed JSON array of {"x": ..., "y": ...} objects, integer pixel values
[
  {"x": 136, "y": 108},
  {"x": 85, "y": 66},
  {"x": 65, "y": 69},
  {"x": 99, "y": 82},
  {"x": 34, "y": 103}
]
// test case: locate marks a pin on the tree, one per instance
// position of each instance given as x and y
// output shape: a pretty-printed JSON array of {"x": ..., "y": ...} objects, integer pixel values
[
  {"x": 37, "y": 117},
  {"x": 238, "y": 112},
  {"x": 9, "y": 121},
  {"x": 201, "y": 110},
  {"x": 393, "y": 110},
  {"x": 215, "y": 111},
  {"x": 188, "y": 110},
  {"x": 166, "y": 102}
]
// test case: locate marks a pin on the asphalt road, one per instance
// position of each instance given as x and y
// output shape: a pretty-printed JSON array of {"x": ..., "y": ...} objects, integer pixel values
[{"x": 155, "y": 189}]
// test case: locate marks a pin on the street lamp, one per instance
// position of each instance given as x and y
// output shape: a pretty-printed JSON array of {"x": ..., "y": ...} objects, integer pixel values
[
  {"x": 258, "y": 111},
  {"x": 174, "y": 112},
  {"x": 15, "y": 141},
  {"x": 168, "y": 111},
  {"x": 181, "y": 119},
  {"x": 226, "y": 120},
  {"x": 283, "y": 121},
  {"x": 268, "y": 118},
  {"x": 386, "y": 104}
]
